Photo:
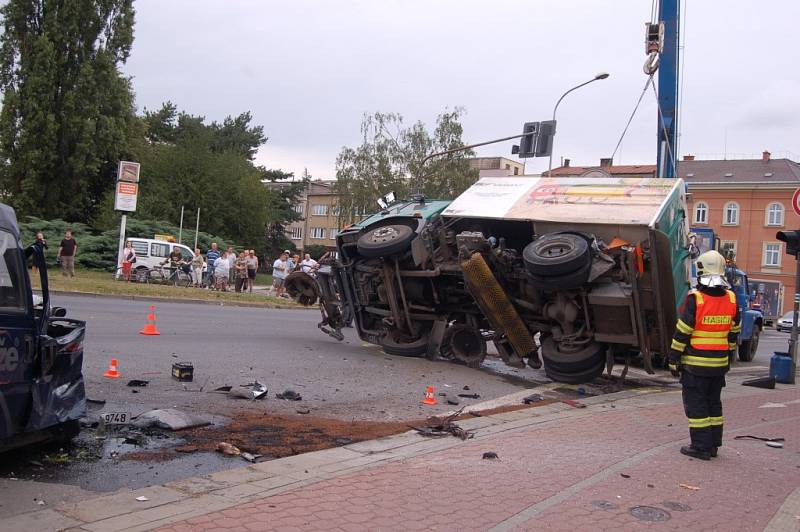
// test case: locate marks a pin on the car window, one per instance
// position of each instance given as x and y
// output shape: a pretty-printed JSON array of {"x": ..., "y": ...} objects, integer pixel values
[
  {"x": 186, "y": 254},
  {"x": 139, "y": 247},
  {"x": 159, "y": 250},
  {"x": 11, "y": 283}
]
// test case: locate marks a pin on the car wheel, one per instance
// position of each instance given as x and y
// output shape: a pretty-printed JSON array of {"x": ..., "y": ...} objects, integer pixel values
[
  {"x": 748, "y": 348},
  {"x": 579, "y": 377},
  {"x": 556, "y": 254},
  {"x": 578, "y": 360},
  {"x": 385, "y": 240}
]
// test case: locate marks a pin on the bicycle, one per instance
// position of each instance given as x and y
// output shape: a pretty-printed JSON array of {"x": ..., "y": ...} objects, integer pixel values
[
  {"x": 176, "y": 274},
  {"x": 138, "y": 275}
]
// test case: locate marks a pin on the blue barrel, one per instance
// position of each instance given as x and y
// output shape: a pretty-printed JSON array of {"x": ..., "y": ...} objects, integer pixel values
[{"x": 780, "y": 367}]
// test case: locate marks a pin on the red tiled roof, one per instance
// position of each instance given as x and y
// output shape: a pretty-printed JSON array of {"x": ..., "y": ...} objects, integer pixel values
[{"x": 630, "y": 169}]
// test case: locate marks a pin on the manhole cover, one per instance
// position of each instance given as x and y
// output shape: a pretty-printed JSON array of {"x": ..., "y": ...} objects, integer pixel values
[
  {"x": 677, "y": 506},
  {"x": 649, "y": 513},
  {"x": 605, "y": 505}
]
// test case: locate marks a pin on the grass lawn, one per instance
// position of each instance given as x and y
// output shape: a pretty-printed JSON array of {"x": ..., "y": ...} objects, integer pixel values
[{"x": 99, "y": 282}]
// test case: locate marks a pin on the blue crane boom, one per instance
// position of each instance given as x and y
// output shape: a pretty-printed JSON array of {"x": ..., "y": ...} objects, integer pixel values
[{"x": 669, "y": 16}]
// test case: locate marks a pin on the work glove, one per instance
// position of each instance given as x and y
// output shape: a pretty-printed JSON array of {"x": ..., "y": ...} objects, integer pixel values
[{"x": 674, "y": 369}]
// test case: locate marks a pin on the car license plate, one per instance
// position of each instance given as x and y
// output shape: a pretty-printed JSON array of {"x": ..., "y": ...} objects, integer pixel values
[{"x": 116, "y": 418}]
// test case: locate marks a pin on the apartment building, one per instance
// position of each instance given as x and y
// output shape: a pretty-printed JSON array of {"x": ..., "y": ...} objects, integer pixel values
[
  {"x": 746, "y": 202},
  {"x": 496, "y": 166}
]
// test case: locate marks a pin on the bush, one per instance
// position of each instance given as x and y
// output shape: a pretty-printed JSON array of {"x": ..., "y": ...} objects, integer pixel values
[{"x": 98, "y": 249}]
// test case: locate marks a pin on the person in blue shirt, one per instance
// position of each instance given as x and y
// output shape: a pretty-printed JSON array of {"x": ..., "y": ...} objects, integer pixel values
[{"x": 211, "y": 256}]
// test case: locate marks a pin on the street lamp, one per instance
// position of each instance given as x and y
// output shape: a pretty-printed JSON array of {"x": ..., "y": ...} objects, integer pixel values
[{"x": 601, "y": 75}]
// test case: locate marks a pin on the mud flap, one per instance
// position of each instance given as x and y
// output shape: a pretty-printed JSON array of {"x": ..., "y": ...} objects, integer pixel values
[{"x": 435, "y": 341}]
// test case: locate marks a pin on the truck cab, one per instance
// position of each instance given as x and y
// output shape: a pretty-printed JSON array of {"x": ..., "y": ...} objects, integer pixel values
[
  {"x": 42, "y": 393},
  {"x": 752, "y": 319}
]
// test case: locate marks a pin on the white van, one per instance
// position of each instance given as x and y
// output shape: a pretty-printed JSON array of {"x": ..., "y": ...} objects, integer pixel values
[{"x": 151, "y": 253}]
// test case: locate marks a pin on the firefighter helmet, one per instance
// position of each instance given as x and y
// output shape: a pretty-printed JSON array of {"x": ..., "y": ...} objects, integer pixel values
[{"x": 711, "y": 269}]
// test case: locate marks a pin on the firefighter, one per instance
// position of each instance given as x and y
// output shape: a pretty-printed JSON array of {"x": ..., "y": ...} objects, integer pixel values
[{"x": 703, "y": 344}]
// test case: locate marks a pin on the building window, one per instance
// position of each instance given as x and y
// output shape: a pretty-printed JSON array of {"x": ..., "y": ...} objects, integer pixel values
[
  {"x": 297, "y": 233},
  {"x": 317, "y": 232},
  {"x": 775, "y": 214},
  {"x": 299, "y": 208},
  {"x": 333, "y": 233},
  {"x": 701, "y": 213},
  {"x": 319, "y": 210},
  {"x": 335, "y": 210},
  {"x": 731, "y": 214},
  {"x": 772, "y": 254},
  {"x": 728, "y": 248}
]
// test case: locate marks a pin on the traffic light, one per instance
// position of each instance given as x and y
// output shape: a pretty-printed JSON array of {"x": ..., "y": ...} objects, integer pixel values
[
  {"x": 792, "y": 239},
  {"x": 544, "y": 140},
  {"x": 527, "y": 144}
]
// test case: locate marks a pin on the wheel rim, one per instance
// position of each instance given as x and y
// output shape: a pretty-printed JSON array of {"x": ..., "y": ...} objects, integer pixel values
[
  {"x": 555, "y": 250},
  {"x": 384, "y": 234}
]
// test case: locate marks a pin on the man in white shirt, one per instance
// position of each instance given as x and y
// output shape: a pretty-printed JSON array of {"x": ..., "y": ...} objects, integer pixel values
[
  {"x": 309, "y": 265},
  {"x": 280, "y": 269},
  {"x": 222, "y": 269}
]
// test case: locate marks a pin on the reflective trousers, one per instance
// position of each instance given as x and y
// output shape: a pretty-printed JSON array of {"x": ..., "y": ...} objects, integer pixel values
[{"x": 703, "y": 407}]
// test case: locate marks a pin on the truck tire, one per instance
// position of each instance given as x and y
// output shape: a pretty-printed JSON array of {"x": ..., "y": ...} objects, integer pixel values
[
  {"x": 562, "y": 282},
  {"x": 556, "y": 254},
  {"x": 572, "y": 362},
  {"x": 748, "y": 348},
  {"x": 385, "y": 240},
  {"x": 413, "y": 348},
  {"x": 577, "y": 377}
]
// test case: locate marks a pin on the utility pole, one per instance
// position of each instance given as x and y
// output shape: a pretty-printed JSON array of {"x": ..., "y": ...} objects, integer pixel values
[
  {"x": 196, "y": 229},
  {"x": 180, "y": 229},
  {"x": 669, "y": 16}
]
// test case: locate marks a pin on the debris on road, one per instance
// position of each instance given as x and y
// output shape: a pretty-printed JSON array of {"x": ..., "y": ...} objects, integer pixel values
[
  {"x": 169, "y": 418},
  {"x": 96, "y": 401},
  {"x": 623, "y": 475},
  {"x": 469, "y": 395},
  {"x": 289, "y": 395},
  {"x": 303, "y": 411},
  {"x": 183, "y": 371},
  {"x": 254, "y": 390},
  {"x": 137, "y": 382},
  {"x": 227, "y": 449},
  {"x": 688, "y": 487},
  {"x": 187, "y": 449},
  {"x": 444, "y": 428},
  {"x": 142, "y": 498},
  {"x": 573, "y": 403},
  {"x": 775, "y": 444},
  {"x": 451, "y": 399},
  {"x": 768, "y": 383},
  {"x": 490, "y": 456},
  {"x": 533, "y": 398},
  {"x": 759, "y": 438},
  {"x": 250, "y": 457},
  {"x": 225, "y": 389}
]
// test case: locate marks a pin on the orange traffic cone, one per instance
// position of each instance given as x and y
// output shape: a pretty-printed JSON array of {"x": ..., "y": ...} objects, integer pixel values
[
  {"x": 429, "y": 398},
  {"x": 150, "y": 328},
  {"x": 112, "y": 372}
]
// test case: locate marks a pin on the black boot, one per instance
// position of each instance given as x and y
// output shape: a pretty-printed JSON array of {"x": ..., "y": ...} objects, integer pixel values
[
  {"x": 713, "y": 452},
  {"x": 688, "y": 450}
]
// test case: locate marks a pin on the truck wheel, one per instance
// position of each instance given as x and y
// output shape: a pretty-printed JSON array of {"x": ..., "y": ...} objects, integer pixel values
[
  {"x": 576, "y": 361},
  {"x": 302, "y": 288},
  {"x": 385, "y": 240},
  {"x": 403, "y": 348},
  {"x": 578, "y": 377},
  {"x": 562, "y": 282},
  {"x": 556, "y": 254},
  {"x": 747, "y": 351}
]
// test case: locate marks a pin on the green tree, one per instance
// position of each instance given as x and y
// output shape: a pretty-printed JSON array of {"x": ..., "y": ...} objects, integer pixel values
[
  {"x": 390, "y": 159},
  {"x": 66, "y": 107},
  {"x": 284, "y": 196}
]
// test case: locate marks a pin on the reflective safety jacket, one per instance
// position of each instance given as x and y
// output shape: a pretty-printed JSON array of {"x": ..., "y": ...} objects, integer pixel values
[{"x": 707, "y": 331}]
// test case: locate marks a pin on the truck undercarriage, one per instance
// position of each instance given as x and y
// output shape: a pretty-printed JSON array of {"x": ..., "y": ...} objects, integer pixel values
[{"x": 447, "y": 286}]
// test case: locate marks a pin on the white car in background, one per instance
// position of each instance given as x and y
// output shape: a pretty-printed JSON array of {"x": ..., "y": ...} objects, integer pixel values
[{"x": 784, "y": 323}]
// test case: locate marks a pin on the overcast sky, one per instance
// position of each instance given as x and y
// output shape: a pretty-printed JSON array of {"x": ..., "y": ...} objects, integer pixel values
[{"x": 309, "y": 69}]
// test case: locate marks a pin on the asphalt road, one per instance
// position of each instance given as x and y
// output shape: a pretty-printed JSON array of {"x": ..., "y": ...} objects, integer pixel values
[{"x": 283, "y": 349}]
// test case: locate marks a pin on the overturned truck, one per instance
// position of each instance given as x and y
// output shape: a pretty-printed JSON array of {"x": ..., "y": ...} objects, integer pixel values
[{"x": 570, "y": 272}]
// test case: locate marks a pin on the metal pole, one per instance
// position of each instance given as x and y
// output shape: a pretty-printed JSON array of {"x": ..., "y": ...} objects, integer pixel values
[
  {"x": 793, "y": 337},
  {"x": 180, "y": 230},
  {"x": 196, "y": 229},
  {"x": 121, "y": 248},
  {"x": 600, "y": 76}
]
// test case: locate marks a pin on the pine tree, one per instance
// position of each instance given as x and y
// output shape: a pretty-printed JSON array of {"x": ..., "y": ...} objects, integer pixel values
[{"x": 67, "y": 109}]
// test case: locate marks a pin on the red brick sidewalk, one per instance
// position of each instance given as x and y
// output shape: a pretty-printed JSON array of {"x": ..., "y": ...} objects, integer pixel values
[{"x": 566, "y": 474}]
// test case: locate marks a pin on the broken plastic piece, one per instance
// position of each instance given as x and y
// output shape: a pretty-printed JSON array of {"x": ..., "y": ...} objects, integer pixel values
[
  {"x": 289, "y": 395},
  {"x": 533, "y": 398},
  {"x": 142, "y": 498},
  {"x": 490, "y": 456},
  {"x": 137, "y": 382}
]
